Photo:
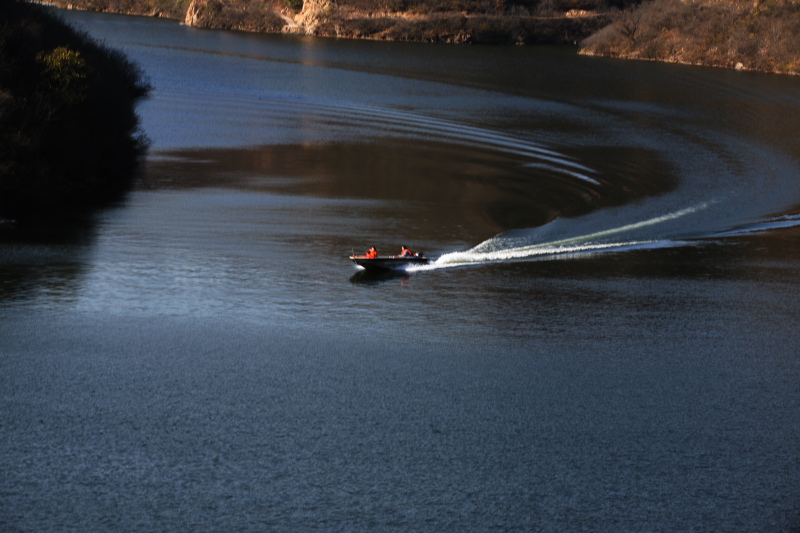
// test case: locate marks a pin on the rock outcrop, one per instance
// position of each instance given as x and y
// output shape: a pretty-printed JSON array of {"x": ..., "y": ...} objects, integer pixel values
[
  {"x": 201, "y": 13},
  {"x": 314, "y": 14}
]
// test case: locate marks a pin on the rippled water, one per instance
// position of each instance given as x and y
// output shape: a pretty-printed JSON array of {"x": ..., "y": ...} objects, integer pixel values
[{"x": 606, "y": 339}]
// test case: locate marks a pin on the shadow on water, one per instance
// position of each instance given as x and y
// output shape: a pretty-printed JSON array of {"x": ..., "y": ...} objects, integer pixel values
[
  {"x": 45, "y": 258},
  {"x": 436, "y": 187},
  {"x": 366, "y": 277}
]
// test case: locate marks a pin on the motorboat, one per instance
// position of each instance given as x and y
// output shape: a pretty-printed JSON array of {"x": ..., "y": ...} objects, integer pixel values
[{"x": 389, "y": 262}]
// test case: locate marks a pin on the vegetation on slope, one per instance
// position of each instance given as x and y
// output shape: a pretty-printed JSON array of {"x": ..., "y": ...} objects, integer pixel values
[
  {"x": 461, "y": 21},
  {"x": 762, "y": 35},
  {"x": 464, "y": 21},
  {"x": 69, "y": 136}
]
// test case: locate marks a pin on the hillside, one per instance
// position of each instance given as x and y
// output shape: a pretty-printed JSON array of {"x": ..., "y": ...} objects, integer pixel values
[
  {"x": 746, "y": 34},
  {"x": 759, "y": 35},
  {"x": 452, "y": 21}
]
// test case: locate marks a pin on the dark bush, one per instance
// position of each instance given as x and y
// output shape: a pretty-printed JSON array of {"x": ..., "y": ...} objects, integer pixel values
[{"x": 68, "y": 129}]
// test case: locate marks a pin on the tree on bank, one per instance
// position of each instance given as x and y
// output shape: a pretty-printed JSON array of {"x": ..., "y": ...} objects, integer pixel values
[{"x": 69, "y": 134}]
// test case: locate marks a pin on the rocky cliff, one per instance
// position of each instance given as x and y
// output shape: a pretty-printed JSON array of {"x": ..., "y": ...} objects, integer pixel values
[{"x": 329, "y": 18}]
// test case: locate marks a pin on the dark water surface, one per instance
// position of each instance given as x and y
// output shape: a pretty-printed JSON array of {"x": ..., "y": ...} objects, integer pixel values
[{"x": 607, "y": 340}]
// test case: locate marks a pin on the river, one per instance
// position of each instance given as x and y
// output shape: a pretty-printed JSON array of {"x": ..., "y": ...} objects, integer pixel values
[{"x": 606, "y": 339}]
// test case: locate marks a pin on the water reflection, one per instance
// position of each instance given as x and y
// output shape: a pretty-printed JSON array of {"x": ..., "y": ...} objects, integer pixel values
[
  {"x": 47, "y": 260},
  {"x": 440, "y": 187},
  {"x": 367, "y": 277}
]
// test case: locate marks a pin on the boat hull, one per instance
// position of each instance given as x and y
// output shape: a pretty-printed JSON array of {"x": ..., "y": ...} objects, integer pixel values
[{"x": 384, "y": 264}]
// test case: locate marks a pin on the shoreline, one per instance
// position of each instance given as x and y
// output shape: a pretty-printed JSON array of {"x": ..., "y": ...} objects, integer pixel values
[{"x": 732, "y": 34}]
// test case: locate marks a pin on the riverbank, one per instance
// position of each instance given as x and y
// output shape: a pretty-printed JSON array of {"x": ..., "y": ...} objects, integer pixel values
[{"x": 740, "y": 34}]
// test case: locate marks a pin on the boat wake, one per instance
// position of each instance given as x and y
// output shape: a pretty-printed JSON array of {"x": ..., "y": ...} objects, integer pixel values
[
  {"x": 576, "y": 194},
  {"x": 776, "y": 223},
  {"x": 507, "y": 247}
]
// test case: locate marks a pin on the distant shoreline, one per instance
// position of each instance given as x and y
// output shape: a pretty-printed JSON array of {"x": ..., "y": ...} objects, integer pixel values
[
  {"x": 735, "y": 34},
  {"x": 318, "y": 19}
]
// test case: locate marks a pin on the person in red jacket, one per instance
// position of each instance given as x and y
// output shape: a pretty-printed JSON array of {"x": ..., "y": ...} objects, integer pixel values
[
  {"x": 372, "y": 253},
  {"x": 405, "y": 252}
]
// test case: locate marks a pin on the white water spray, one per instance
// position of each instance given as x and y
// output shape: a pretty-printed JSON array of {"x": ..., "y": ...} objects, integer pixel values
[{"x": 492, "y": 250}]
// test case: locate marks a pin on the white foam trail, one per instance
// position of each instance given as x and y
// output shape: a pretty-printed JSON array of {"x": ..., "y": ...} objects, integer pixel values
[
  {"x": 636, "y": 225},
  {"x": 786, "y": 221},
  {"x": 569, "y": 247},
  {"x": 462, "y": 259},
  {"x": 584, "y": 245}
]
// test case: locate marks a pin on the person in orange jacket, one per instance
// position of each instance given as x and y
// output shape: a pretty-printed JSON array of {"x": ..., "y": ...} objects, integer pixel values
[
  {"x": 405, "y": 252},
  {"x": 372, "y": 253}
]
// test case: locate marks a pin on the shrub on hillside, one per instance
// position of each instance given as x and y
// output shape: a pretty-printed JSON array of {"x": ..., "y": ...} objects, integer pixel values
[
  {"x": 245, "y": 15},
  {"x": 370, "y": 28},
  {"x": 436, "y": 28},
  {"x": 425, "y": 7}
]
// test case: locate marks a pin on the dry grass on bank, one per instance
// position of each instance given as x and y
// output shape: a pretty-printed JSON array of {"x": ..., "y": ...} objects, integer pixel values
[
  {"x": 246, "y": 15},
  {"x": 458, "y": 28},
  {"x": 461, "y": 21},
  {"x": 762, "y": 35}
]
